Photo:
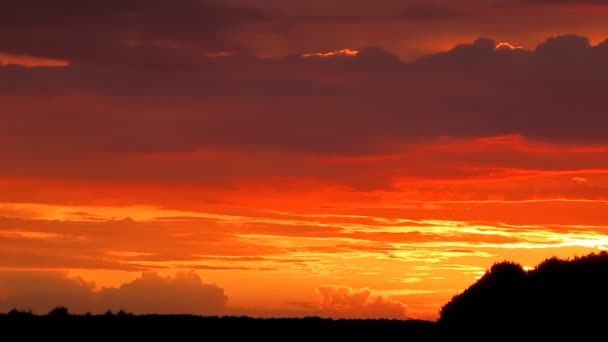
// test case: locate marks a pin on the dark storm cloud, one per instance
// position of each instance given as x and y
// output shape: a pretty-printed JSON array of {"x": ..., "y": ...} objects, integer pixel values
[
  {"x": 361, "y": 12},
  {"x": 429, "y": 11},
  {"x": 177, "y": 34},
  {"x": 368, "y": 104},
  {"x": 565, "y": 2},
  {"x": 547, "y": 3},
  {"x": 154, "y": 32}
]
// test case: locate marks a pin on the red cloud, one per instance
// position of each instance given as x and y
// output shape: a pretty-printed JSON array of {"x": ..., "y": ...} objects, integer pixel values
[{"x": 31, "y": 61}]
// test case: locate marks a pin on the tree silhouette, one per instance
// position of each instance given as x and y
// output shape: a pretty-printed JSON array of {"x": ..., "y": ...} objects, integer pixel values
[
  {"x": 556, "y": 297},
  {"x": 58, "y": 312}
]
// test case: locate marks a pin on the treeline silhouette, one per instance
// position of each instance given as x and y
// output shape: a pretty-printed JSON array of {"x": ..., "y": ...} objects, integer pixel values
[
  {"x": 558, "y": 298},
  {"x": 109, "y": 326}
]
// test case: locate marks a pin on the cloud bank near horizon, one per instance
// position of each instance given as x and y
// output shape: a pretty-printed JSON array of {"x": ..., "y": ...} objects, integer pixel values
[{"x": 40, "y": 292}]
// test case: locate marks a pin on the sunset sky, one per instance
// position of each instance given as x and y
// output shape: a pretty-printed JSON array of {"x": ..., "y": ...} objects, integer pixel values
[{"x": 339, "y": 158}]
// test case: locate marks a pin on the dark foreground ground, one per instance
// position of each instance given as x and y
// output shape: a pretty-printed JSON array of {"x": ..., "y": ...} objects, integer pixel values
[
  {"x": 186, "y": 327},
  {"x": 24, "y": 327}
]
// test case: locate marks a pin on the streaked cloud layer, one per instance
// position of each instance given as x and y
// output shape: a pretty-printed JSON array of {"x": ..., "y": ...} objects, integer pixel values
[{"x": 373, "y": 172}]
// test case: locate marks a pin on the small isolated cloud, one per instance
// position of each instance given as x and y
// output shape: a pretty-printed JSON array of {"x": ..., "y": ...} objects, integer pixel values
[
  {"x": 579, "y": 180},
  {"x": 184, "y": 292},
  {"x": 31, "y": 61},
  {"x": 345, "y": 302}
]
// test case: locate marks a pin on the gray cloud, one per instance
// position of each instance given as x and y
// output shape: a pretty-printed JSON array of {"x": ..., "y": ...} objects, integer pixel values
[
  {"x": 132, "y": 32},
  {"x": 150, "y": 293}
]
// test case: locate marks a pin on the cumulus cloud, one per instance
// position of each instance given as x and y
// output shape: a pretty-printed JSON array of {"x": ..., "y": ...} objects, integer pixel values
[
  {"x": 346, "y": 302},
  {"x": 42, "y": 291},
  {"x": 150, "y": 293}
]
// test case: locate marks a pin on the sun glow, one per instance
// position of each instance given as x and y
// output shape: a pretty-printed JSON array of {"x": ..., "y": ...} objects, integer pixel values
[
  {"x": 506, "y": 45},
  {"x": 343, "y": 52}
]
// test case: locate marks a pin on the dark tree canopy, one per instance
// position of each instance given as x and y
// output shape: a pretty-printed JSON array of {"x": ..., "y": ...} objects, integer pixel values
[{"x": 556, "y": 296}]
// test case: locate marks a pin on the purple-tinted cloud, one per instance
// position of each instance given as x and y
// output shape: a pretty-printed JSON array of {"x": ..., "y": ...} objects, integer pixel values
[{"x": 150, "y": 293}]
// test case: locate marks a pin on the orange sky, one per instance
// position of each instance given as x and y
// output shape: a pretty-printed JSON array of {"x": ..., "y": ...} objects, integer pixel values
[{"x": 256, "y": 164}]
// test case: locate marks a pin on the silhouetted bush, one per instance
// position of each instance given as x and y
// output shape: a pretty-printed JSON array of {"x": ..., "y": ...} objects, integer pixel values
[
  {"x": 19, "y": 313},
  {"x": 123, "y": 314},
  {"x": 556, "y": 297},
  {"x": 58, "y": 312}
]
